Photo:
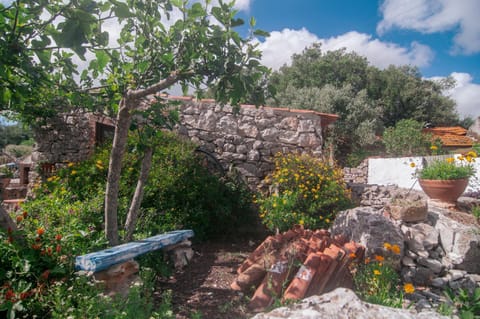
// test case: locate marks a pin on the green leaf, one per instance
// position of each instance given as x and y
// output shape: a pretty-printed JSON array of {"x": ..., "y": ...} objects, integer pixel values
[
  {"x": 237, "y": 22},
  {"x": 253, "y": 22},
  {"x": 261, "y": 33},
  {"x": 102, "y": 59},
  {"x": 196, "y": 11},
  {"x": 177, "y": 3},
  {"x": 122, "y": 11}
]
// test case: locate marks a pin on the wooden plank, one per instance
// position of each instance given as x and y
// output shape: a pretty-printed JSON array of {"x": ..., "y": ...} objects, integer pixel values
[{"x": 103, "y": 259}]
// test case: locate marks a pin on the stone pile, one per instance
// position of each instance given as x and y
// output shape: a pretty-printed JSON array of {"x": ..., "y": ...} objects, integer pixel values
[
  {"x": 305, "y": 262},
  {"x": 436, "y": 252}
]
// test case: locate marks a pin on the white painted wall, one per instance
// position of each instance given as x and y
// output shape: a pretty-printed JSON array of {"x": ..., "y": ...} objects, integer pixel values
[{"x": 397, "y": 171}]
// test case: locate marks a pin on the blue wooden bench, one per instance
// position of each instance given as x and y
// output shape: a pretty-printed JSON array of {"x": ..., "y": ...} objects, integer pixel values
[{"x": 103, "y": 259}]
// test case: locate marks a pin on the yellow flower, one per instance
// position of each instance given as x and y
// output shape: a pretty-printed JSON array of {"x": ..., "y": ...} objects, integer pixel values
[
  {"x": 412, "y": 164},
  {"x": 433, "y": 147},
  {"x": 472, "y": 154},
  {"x": 377, "y": 272},
  {"x": 327, "y": 220},
  {"x": 74, "y": 172},
  {"x": 450, "y": 160},
  {"x": 387, "y": 246},
  {"x": 460, "y": 158},
  {"x": 70, "y": 164},
  {"x": 396, "y": 249},
  {"x": 301, "y": 222},
  {"x": 408, "y": 288}
]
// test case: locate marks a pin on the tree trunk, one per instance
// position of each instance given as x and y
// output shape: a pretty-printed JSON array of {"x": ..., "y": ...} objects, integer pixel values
[
  {"x": 114, "y": 171},
  {"x": 6, "y": 222},
  {"x": 138, "y": 196}
]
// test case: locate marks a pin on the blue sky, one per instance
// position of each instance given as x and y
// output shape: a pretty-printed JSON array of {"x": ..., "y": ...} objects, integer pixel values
[{"x": 440, "y": 37}]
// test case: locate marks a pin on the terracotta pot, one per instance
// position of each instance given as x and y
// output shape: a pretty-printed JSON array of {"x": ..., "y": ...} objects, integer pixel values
[{"x": 444, "y": 190}]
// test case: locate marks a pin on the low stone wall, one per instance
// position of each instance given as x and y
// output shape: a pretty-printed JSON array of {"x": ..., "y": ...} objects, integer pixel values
[{"x": 356, "y": 175}]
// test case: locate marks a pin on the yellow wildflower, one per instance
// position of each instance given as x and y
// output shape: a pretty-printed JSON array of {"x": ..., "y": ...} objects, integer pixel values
[
  {"x": 301, "y": 222},
  {"x": 74, "y": 172},
  {"x": 408, "y": 288},
  {"x": 412, "y": 164},
  {"x": 396, "y": 249},
  {"x": 434, "y": 147},
  {"x": 377, "y": 272},
  {"x": 387, "y": 246},
  {"x": 450, "y": 160}
]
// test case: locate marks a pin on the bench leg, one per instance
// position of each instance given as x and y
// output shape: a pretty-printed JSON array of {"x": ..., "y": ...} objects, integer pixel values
[
  {"x": 180, "y": 254},
  {"x": 119, "y": 278}
]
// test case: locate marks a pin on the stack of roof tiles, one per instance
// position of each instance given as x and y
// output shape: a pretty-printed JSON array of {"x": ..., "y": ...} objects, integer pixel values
[
  {"x": 297, "y": 264},
  {"x": 455, "y": 136}
]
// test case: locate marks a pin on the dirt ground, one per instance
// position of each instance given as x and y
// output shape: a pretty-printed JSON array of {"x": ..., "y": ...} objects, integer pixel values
[{"x": 202, "y": 288}]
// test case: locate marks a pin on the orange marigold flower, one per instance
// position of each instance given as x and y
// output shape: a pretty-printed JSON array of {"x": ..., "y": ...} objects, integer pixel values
[
  {"x": 408, "y": 288},
  {"x": 387, "y": 246},
  {"x": 36, "y": 246},
  {"x": 352, "y": 255},
  {"x": 379, "y": 258},
  {"x": 19, "y": 218},
  {"x": 396, "y": 249},
  {"x": 40, "y": 231},
  {"x": 10, "y": 295},
  {"x": 45, "y": 274},
  {"x": 367, "y": 260},
  {"x": 377, "y": 272}
]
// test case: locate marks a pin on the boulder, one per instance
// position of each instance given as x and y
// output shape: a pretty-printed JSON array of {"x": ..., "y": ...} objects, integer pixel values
[
  {"x": 369, "y": 227},
  {"x": 342, "y": 303},
  {"x": 408, "y": 207}
]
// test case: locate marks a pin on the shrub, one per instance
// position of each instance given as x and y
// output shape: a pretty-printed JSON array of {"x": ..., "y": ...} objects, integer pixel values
[
  {"x": 406, "y": 139},
  {"x": 182, "y": 193},
  {"x": 303, "y": 190}
]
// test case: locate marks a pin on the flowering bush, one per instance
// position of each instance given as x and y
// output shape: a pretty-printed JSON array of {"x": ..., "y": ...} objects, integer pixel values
[
  {"x": 303, "y": 190},
  {"x": 448, "y": 169},
  {"x": 376, "y": 281}
]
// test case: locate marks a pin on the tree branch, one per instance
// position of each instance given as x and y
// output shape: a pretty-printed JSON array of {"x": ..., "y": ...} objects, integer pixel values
[{"x": 173, "y": 78}]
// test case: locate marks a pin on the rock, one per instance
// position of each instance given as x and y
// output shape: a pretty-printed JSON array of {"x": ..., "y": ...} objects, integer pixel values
[
  {"x": 367, "y": 226},
  {"x": 460, "y": 242},
  {"x": 432, "y": 264},
  {"x": 407, "y": 261},
  {"x": 342, "y": 304},
  {"x": 440, "y": 282},
  {"x": 456, "y": 274},
  {"x": 408, "y": 207},
  {"x": 422, "y": 237}
]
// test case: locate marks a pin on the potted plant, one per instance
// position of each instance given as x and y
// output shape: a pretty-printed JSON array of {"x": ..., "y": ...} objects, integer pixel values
[{"x": 445, "y": 180}]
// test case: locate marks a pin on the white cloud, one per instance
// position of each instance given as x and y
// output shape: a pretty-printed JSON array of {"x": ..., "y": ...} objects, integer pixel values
[
  {"x": 431, "y": 16},
  {"x": 466, "y": 94},
  {"x": 281, "y": 45}
]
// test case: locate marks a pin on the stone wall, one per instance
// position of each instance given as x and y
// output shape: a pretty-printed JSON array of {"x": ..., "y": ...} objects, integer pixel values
[
  {"x": 356, "y": 175},
  {"x": 67, "y": 138},
  {"x": 246, "y": 140},
  {"x": 249, "y": 138}
]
